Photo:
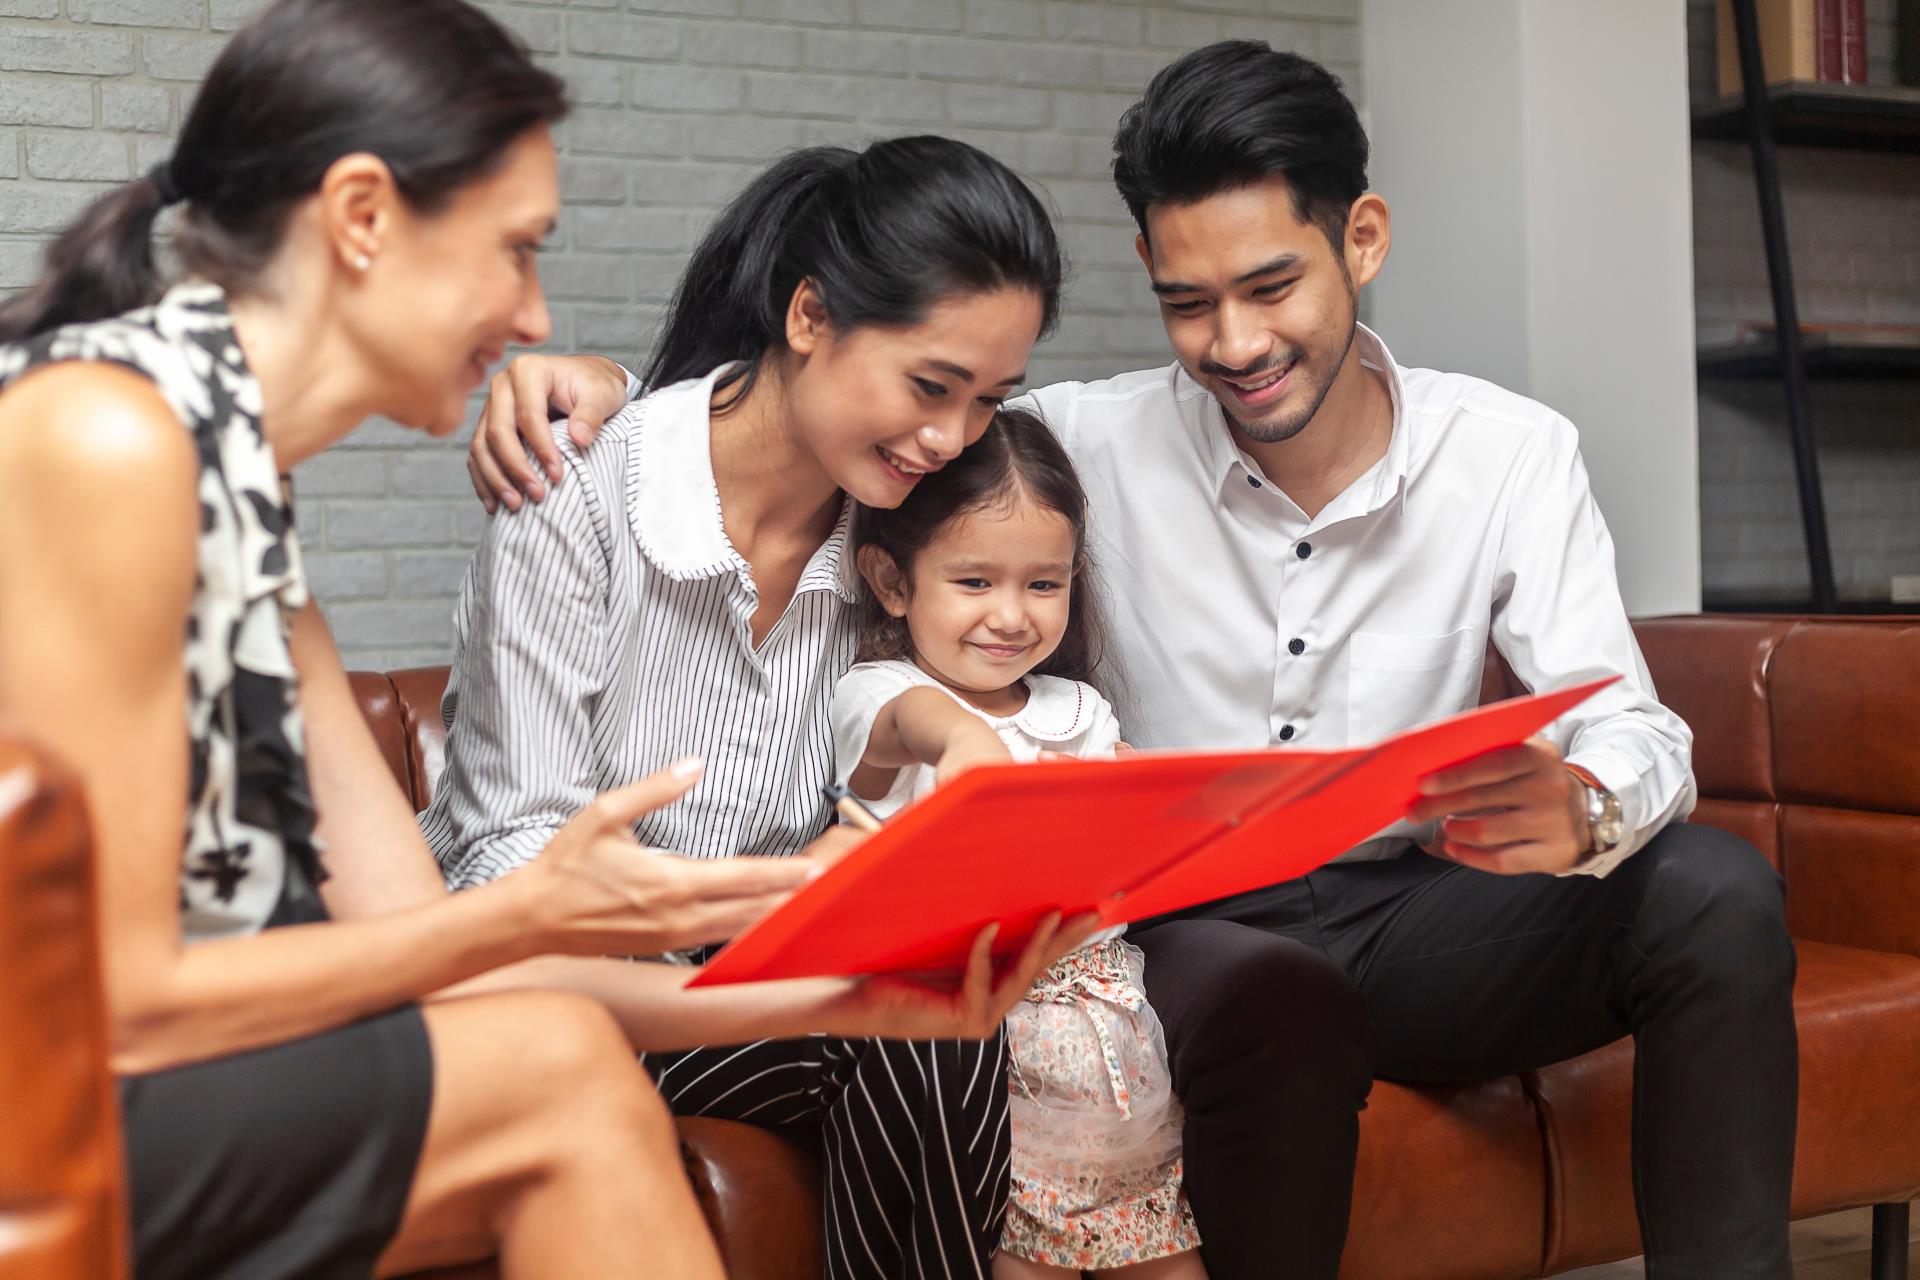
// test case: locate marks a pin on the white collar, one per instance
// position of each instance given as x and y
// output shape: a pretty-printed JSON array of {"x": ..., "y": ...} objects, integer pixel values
[
  {"x": 673, "y": 504},
  {"x": 1387, "y": 477},
  {"x": 1056, "y": 709}
]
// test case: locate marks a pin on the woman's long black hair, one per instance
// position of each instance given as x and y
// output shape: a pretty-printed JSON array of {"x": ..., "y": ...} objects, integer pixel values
[
  {"x": 883, "y": 234},
  {"x": 435, "y": 88}
]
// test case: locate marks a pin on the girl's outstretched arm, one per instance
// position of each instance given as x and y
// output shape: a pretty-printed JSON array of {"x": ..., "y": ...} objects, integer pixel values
[{"x": 925, "y": 726}]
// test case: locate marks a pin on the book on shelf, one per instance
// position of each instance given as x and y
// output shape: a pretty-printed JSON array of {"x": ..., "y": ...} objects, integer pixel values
[
  {"x": 1830, "y": 59},
  {"x": 1822, "y": 41},
  {"x": 1853, "y": 41}
]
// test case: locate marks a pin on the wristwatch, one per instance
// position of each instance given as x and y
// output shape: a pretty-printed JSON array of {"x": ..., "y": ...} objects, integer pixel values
[{"x": 1604, "y": 821}]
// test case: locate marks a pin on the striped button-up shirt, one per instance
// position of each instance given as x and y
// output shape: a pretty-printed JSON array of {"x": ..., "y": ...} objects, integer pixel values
[{"x": 606, "y": 632}]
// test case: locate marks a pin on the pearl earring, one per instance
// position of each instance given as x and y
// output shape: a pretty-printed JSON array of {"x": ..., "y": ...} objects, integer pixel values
[{"x": 362, "y": 262}]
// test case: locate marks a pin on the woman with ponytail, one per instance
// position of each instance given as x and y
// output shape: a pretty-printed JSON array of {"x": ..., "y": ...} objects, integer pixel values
[
  {"x": 362, "y": 188},
  {"x": 848, "y": 325}
]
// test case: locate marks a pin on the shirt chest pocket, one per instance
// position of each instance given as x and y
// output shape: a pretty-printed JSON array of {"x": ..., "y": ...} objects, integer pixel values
[{"x": 1396, "y": 681}]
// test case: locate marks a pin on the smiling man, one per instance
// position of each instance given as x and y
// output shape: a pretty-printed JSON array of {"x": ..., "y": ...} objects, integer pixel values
[{"x": 1308, "y": 543}]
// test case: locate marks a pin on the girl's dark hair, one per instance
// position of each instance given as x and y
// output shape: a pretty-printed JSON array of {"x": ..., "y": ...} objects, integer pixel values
[
  {"x": 883, "y": 234},
  {"x": 434, "y": 88},
  {"x": 1232, "y": 113},
  {"x": 1016, "y": 456}
]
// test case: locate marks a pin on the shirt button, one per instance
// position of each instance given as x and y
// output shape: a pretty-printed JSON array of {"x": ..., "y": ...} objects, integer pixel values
[
  {"x": 1254, "y": 481},
  {"x": 1286, "y": 733},
  {"x": 1296, "y": 646},
  {"x": 1304, "y": 550}
]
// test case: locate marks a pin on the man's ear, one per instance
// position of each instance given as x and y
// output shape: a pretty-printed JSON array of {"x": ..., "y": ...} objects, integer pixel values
[
  {"x": 807, "y": 322},
  {"x": 1369, "y": 236},
  {"x": 1141, "y": 247},
  {"x": 884, "y": 578}
]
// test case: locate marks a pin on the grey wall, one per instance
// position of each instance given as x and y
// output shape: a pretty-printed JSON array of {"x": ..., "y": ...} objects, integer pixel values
[
  {"x": 1853, "y": 227},
  {"x": 1545, "y": 245},
  {"x": 678, "y": 101}
]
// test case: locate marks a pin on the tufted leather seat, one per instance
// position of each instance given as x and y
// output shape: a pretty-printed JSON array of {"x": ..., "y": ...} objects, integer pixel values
[{"x": 1805, "y": 744}]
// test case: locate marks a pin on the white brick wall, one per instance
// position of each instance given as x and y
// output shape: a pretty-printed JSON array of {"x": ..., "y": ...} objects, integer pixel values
[
  {"x": 679, "y": 101},
  {"x": 1853, "y": 227}
]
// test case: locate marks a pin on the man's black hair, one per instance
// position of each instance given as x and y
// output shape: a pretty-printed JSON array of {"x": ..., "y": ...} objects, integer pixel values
[{"x": 1232, "y": 113}]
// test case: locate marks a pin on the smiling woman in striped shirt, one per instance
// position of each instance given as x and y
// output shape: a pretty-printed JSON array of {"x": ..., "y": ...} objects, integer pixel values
[{"x": 849, "y": 325}]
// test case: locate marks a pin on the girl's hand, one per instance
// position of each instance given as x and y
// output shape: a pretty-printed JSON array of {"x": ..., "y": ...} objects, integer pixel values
[
  {"x": 898, "y": 1007},
  {"x": 588, "y": 389},
  {"x": 598, "y": 891},
  {"x": 831, "y": 845},
  {"x": 972, "y": 743}
]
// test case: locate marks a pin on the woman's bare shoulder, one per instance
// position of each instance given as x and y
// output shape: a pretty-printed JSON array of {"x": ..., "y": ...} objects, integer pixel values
[
  {"x": 92, "y": 432},
  {"x": 95, "y": 458}
]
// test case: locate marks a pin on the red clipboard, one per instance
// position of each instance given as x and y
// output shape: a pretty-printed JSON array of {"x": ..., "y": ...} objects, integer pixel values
[{"x": 1127, "y": 838}]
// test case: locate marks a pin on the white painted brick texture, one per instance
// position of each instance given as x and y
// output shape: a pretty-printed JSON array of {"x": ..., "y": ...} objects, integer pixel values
[{"x": 678, "y": 102}]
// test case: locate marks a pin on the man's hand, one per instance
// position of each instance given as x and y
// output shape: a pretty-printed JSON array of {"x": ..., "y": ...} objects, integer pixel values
[
  {"x": 588, "y": 389},
  {"x": 1510, "y": 811}
]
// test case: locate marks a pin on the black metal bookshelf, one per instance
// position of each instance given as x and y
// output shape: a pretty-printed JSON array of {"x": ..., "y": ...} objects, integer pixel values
[
  {"x": 1823, "y": 356},
  {"x": 1853, "y": 117}
]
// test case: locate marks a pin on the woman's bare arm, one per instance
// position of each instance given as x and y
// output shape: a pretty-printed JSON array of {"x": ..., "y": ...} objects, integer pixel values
[
  {"x": 97, "y": 566},
  {"x": 381, "y": 864}
]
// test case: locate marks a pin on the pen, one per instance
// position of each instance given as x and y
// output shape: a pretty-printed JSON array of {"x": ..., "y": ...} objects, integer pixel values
[{"x": 851, "y": 811}]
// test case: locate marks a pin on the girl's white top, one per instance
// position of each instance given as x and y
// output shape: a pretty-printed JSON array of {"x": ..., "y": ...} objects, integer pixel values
[{"x": 1064, "y": 716}]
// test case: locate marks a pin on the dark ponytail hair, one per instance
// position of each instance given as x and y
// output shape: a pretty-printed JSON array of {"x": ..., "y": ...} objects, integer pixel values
[
  {"x": 435, "y": 88},
  {"x": 1017, "y": 456},
  {"x": 883, "y": 234}
]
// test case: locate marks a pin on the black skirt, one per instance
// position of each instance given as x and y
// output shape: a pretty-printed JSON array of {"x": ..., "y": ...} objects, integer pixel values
[
  {"x": 290, "y": 1161},
  {"x": 294, "y": 1160}
]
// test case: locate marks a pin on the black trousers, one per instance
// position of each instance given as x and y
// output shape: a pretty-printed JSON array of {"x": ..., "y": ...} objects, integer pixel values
[
  {"x": 1282, "y": 1006},
  {"x": 914, "y": 1137}
]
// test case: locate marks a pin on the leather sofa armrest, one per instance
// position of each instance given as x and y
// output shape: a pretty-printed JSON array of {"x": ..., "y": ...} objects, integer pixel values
[{"x": 760, "y": 1191}]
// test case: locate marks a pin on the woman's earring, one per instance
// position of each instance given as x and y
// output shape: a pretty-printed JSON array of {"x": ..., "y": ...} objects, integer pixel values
[{"x": 362, "y": 262}]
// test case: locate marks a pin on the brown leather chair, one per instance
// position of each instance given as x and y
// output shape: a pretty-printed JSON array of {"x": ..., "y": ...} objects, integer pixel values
[
  {"x": 60, "y": 1169},
  {"x": 1805, "y": 744}
]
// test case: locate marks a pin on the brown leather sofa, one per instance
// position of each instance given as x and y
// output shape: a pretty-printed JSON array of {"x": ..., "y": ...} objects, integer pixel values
[{"x": 1807, "y": 743}]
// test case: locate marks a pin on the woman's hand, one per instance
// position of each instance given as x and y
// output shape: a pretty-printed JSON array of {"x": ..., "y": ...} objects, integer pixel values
[
  {"x": 588, "y": 389},
  {"x": 971, "y": 743},
  {"x": 598, "y": 891},
  {"x": 897, "y": 1007}
]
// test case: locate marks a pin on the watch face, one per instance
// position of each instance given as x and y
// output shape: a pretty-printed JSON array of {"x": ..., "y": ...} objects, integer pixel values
[{"x": 1608, "y": 828}]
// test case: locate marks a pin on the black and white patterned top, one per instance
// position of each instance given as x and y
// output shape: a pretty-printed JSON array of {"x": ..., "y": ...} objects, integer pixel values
[{"x": 249, "y": 851}]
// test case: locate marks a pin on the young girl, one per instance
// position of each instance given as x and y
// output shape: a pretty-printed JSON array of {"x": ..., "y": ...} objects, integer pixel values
[{"x": 978, "y": 633}]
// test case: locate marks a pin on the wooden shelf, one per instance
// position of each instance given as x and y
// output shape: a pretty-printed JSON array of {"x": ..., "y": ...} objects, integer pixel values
[
  {"x": 1854, "y": 117},
  {"x": 1825, "y": 357},
  {"x": 1798, "y": 602}
]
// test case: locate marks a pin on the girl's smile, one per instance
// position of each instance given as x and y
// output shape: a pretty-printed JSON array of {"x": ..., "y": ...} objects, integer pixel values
[{"x": 988, "y": 600}]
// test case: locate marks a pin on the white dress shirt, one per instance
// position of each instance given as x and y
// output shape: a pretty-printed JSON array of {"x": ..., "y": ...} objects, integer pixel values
[
  {"x": 1477, "y": 525},
  {"x": 606, "y": 632},
  {"x": 1238, "y": 621}
]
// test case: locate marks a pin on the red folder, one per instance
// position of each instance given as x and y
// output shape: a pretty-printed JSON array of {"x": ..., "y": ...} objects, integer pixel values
[{"x": 1127, "y": 838}]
